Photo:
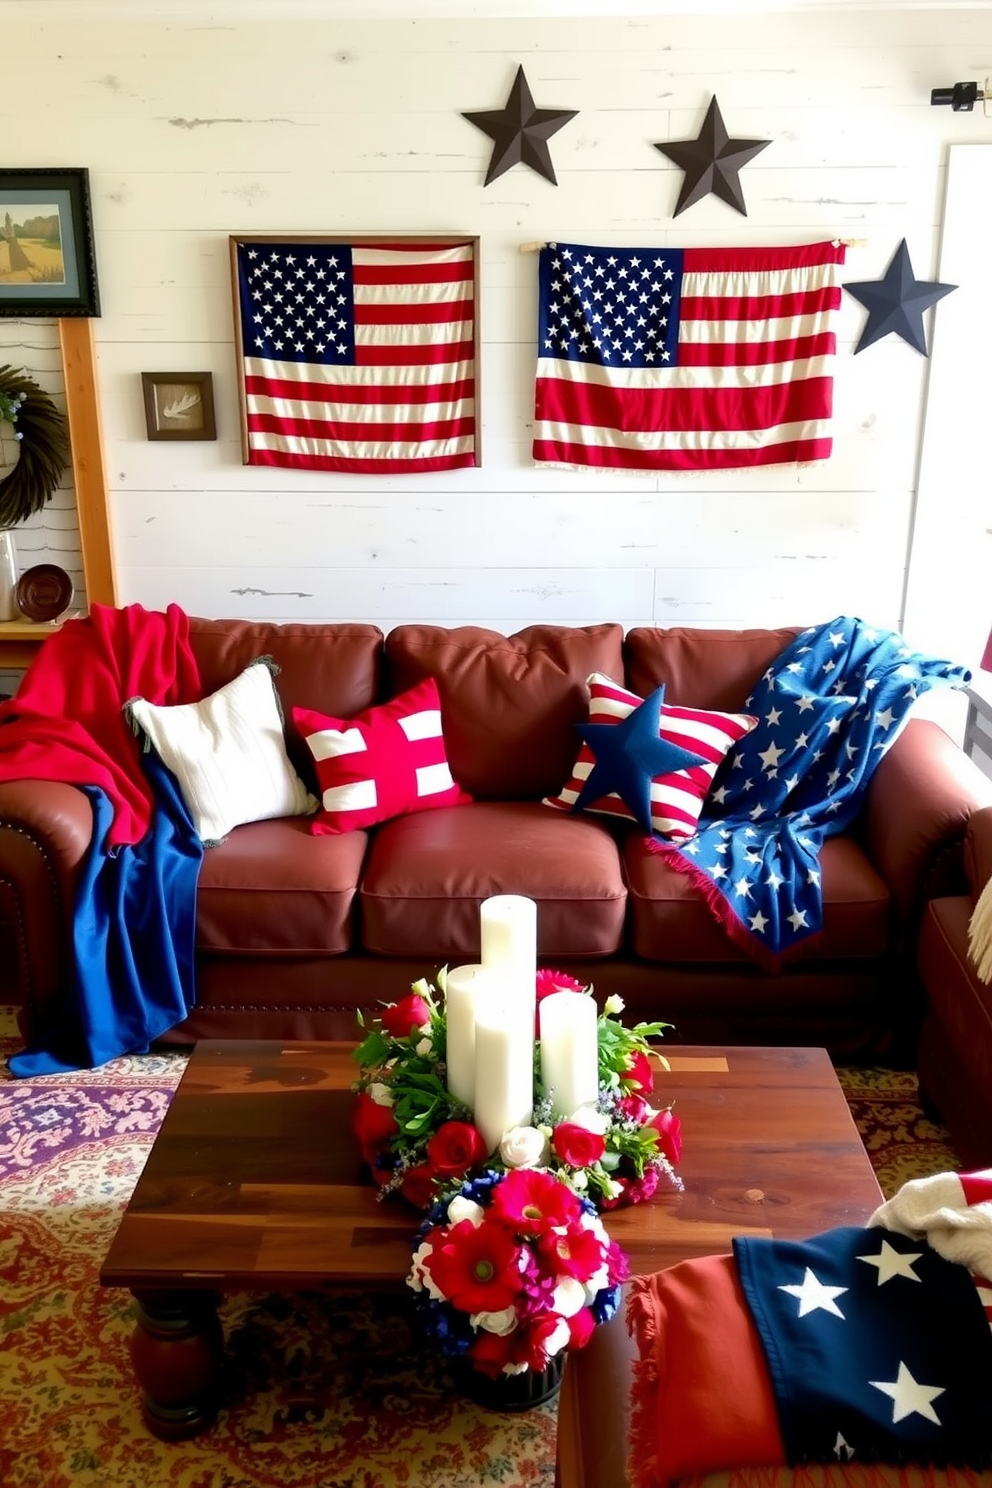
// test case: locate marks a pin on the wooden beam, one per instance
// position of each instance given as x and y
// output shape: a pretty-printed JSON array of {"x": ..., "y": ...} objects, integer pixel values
[{"x": 82, "y": 405}]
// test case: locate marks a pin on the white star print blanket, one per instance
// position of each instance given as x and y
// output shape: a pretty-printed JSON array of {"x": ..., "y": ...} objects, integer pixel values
[{"x": 828, "y": 708}]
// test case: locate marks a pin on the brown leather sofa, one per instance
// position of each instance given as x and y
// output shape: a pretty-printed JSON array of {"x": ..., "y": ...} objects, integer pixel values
[
  {"x": 295, "y": 931},
  {"x": 955, "y": 1047}
]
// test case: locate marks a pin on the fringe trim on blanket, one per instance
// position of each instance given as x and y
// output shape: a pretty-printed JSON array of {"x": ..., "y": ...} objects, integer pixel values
[
  {"x": 721, "y": 910},
  {"x": 980, "y": 934},
  {"x": 642, "y": 1458}
]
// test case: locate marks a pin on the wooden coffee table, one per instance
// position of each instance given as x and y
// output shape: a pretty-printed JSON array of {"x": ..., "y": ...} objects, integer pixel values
[{"x": 254, "y": 1183}]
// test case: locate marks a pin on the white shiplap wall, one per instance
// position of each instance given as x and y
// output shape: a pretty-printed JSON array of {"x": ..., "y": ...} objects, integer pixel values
[{"x": 193, "y": 129}]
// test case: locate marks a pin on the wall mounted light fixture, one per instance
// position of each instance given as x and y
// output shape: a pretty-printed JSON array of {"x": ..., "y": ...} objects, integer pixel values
[{"x": 962, "y": 97}]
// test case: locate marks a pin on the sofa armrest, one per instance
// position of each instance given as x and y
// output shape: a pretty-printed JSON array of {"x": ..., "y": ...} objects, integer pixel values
[
  {"x": 920, "y": 800},
  {"x": 978, "y": 851},
  {"x": 45, "y": 830}
]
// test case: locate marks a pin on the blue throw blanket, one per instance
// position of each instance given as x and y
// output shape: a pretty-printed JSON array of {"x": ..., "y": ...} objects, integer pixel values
[
  {"x": 133, "y": 931},
  {"x": 878, "y": 1348},
  {"x": 828, "y": 708}
]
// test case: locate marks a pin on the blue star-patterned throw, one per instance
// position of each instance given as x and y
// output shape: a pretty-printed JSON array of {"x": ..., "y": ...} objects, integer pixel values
[
  {"x": 629, "y": 755},
  {"x": 827, "y": 709}
]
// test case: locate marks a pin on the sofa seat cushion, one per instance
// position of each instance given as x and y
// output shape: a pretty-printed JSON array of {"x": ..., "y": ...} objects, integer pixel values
[
  {"x": 273, "y": 889},
  {"x": 671, "y": 922},
  {"x": 427, "y": 874}
]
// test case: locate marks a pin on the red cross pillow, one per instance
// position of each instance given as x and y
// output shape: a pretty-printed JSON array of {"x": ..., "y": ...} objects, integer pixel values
[
  {"x": 388, "y": 761},
  {"x": 677, "y": 798}
]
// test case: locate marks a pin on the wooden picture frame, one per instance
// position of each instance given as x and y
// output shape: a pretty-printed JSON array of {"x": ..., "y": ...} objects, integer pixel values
[
  {"x": 179, "y": 405},
  {"x": 47, "y": 260},
  {"x": 358, "y": 352}
]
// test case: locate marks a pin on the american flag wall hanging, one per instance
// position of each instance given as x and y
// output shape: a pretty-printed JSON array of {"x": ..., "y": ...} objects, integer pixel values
[
  {"x": 685, "y": 359},
  {"x": 357, "y": 354}
]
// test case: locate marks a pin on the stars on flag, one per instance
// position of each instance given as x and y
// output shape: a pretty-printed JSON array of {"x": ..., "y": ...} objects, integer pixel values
[
  {"x": 612, "y": 307},
  {"x": 299, "y": 306}
]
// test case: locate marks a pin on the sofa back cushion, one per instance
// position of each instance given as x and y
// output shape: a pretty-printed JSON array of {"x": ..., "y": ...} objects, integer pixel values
[
  {"x": 334, "y": 668},
  {"x": 509, "y": 704},
  {"x": 701, "y": 668}
]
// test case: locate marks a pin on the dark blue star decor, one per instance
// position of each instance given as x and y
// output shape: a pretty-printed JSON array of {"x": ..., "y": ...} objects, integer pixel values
[
  {"x": 520, "y": 132},
  {"x": 629, "y": 755},
  {"x": 896, "y": 303},
  {"x": 712, "y": 162}
]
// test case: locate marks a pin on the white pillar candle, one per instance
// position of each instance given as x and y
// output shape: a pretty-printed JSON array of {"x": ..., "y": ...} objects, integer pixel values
[
  {"x": 464, "y": 986},
  {"x": 508, "y": 932},
  {"x": 569, "y": 1051},
  {"x": 504, "y": 1068}
]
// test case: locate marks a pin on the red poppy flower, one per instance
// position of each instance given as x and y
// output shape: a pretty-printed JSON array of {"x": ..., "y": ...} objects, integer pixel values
[
  {"x": 476, "y": 1266},
  {"x": 638, "y": 1075},
  {"x": 531, "y": 1201},
  {"x": 401, "y": 1018},
  {"x": 373, "y": 1124},
  {"x": 574, "y": 1251},
  {"x": 455, "y": 1148},
  {"x": 669, "y": 1129},
  {"x": 576, "y": 1145}
]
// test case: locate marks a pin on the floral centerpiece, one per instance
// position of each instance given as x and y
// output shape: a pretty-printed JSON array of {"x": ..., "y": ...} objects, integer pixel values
[
  {"x": 512, "y": 1270},
  {"x": 420, "y": 1141}
]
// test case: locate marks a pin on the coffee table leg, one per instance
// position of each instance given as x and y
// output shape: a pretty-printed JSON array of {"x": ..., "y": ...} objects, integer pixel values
[{"x": 176, "y": 1349}]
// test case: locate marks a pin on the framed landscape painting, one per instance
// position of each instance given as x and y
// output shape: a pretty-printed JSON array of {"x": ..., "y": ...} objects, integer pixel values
[{"x": 47, "y": 263}]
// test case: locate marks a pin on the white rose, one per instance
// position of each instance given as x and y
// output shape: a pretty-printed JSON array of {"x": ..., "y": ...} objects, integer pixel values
[
  {"x": 578, "y": 1179},
  {"x": 461, "y": 1208},
  {"x": 591, "y": 1120},
  {"x": 558, "y": 1340},
  {"x": 425, "y": 1046},
  {"x": 523, "y": 1147},
  {"x": 569, "y": 1297},
  {"x": 613, "y": 1004},
  {"x": 596, "y": 1282},
  {"x": 500, "y": 1323},
  {"x": 420, "y": 1278},
  {"x": 381, "y": 1094}
]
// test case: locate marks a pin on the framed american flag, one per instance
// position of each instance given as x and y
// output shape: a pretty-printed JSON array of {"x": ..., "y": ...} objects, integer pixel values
[{"x": 357, "y": 353}]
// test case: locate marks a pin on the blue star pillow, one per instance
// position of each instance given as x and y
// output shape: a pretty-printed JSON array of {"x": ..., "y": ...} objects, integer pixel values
[{"x": 647, "y": 762}]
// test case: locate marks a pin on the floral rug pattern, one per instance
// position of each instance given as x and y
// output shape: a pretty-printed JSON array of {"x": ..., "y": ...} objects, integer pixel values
[{"x": 320, "y": 1391}]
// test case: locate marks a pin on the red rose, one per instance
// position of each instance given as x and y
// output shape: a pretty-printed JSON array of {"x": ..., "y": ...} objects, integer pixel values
[
  {"x": 401, "y": 1018},
  {"x": 634, "y": 1108},
  {"x": 490, "y": 1352},
  {"x": 373, "y": 1124},
  {"x": 669, "y": 1129},
  {"x": 529, "y": 1342},
  {"x": 454, "y": 1148},
  {"x": 418, "y": 1186},
  {"x": 638, "y": 1075},
  {"x": 575, "y": 1145},
  {"x": 581, "y": 1325}
]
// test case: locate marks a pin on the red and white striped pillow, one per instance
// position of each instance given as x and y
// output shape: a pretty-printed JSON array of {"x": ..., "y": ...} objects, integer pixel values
[
  {"x": 388, "y": 761},
  {"x": 676, "y": 799}
]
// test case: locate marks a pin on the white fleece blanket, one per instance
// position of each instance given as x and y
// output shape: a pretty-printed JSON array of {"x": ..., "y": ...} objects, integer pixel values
[{"x": 952, "y": 1212}]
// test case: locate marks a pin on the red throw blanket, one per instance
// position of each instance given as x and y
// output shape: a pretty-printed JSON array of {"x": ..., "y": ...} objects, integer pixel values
[{"x": 66, "y": 720}]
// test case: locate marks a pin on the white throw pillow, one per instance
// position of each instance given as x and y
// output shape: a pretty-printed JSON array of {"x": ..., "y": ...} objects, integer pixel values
[{"x": 228, "y": 753}]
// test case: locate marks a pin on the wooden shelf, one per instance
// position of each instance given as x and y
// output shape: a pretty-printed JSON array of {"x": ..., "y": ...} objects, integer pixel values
[{"x": 20, "y": 639}]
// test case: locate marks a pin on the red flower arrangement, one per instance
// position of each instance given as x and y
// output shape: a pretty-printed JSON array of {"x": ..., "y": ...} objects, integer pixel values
[
  {"x": 513, "y": 1269},
  {"x": 418, "y": 1140}
]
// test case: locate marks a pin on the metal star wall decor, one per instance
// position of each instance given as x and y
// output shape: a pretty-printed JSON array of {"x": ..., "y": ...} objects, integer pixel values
[
  {"x": 712, "y": 162},
  {"x": 520, "y": 132},
  {"x": 896, "y": 303}
]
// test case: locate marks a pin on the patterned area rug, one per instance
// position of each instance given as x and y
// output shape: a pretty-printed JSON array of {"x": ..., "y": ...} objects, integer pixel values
[{"x": 320, "y": 1392}]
